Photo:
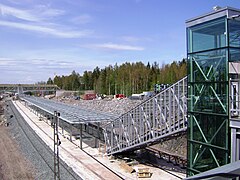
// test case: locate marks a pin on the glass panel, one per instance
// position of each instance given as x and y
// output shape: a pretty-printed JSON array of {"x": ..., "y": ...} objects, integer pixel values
[
  {"x": 206, "y": 158},
  {"x": 213, "y": 128},
  {"x": 189, "y": 40},
  {"x": 234, "y": 54},
  {"x": 208, "y": 56},
  {"x": 209, "y": 66},
  {"x": 206, "y": 36},
  {"x": 209, "y": 136},
  {"x": 234, "y": 33},
  {"x": 209, "y": 98}
]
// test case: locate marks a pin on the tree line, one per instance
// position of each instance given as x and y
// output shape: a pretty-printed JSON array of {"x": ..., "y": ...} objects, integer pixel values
[{"x": 127, "y": 78}]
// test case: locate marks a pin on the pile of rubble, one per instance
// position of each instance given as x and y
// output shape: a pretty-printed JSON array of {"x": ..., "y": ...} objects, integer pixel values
[
  {"x": 177, "y": 145},
  {"x": 115, "y": 106}
]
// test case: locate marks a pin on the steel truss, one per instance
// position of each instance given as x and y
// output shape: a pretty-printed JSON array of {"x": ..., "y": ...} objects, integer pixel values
[
  {"x": 69, "y": 113},
  {"x": 160, "y": 116},
  {"x": 208, "y": 114},
  {"x": 21, "y": 88}
]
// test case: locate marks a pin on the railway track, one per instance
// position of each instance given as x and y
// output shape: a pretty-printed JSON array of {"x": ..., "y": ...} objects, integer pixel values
[
  {"x": 175, "y": 159},
  {"x": 100, "y": 176},
  {"x": 31, "y": 136}
]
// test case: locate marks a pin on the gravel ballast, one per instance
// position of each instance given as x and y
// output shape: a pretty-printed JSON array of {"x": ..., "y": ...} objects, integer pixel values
[{"x": 34, "y": 149}]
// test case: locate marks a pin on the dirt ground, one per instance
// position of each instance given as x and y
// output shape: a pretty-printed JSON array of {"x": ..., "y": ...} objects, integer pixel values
[{"x": 12, "y": 163}]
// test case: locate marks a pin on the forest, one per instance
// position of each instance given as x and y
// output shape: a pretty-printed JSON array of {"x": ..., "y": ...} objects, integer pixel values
[{"x": 127, "y": 78}]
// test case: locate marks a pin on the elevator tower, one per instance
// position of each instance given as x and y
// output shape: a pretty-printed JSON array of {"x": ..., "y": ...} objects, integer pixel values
[{"x": 213, "y": 45}]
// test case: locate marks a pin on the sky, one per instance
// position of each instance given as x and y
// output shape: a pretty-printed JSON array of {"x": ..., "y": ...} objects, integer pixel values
[{"x": 43, "y": 38}]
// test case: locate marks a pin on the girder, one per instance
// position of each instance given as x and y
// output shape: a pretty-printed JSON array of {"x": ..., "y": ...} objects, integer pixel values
[
  {"x": 21, "y": 88},
  {"x": 160, "y": 116},
  {"x": 69, "y": 113}
]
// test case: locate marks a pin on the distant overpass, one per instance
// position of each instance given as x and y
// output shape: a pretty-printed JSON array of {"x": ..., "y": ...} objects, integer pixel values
[{"x": 23, "y": 88}]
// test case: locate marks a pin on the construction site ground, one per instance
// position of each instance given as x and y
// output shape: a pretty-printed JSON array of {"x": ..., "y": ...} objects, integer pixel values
[
  {"x": 85, "y": 166},
  {"x": 13, "y": 165}
]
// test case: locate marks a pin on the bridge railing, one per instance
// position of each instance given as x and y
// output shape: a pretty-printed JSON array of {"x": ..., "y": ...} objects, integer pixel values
[{"x": 160, "y": 116}]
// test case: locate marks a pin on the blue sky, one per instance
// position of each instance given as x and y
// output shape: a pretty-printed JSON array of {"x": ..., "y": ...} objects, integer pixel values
[{"x": 43, "y": 38}]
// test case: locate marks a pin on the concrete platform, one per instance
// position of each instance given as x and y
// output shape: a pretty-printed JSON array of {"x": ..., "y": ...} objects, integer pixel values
[{"x": 81, "y": 163}]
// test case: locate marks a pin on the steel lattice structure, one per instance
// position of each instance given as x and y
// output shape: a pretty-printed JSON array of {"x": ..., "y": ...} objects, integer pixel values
[
  {"x": 21, "y": 88},
  {"x": 213, "y": 51},
  {"x": 161, "y": 116},
  {"x": 69, "y": 113}
]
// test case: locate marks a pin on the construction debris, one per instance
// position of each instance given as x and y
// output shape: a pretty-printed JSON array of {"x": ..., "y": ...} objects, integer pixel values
[
  {"x": 115, "y": 106},
  {"x": 126, "y": 167},
  {"x": 143, "y": 172}
]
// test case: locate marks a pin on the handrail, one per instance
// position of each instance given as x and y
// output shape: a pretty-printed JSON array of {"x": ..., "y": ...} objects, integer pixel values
[{"x": 158, "y": 117}]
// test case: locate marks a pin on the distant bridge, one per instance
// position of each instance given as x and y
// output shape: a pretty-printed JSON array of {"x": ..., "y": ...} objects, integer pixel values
[{"x": 23, "y": 88}]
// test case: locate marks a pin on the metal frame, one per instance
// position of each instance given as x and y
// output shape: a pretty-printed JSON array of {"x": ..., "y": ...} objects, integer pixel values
[
  {"x": 69, "y": 113},
  {"x": 201, "y": 145},
  {"x": 234, "y": 98},
  {"x": 235, "y": 119},
  {"x": 71, "y": 116},
  {"x": 21, "y": 88},
  {"x": 227, "y": 11},
  {"x": 229, "y": 171},
  {"x": 159, "y": 117},
  {"x": 210, "y": 122}
]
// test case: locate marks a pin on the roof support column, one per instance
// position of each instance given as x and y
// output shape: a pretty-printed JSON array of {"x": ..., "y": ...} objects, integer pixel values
[
  {"x": 80, "y": 137},
  {"x": 70, "y": 132}
]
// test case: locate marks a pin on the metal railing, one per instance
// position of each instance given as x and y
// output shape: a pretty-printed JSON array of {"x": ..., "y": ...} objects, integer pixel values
[
  {"x": 234, "y": 98},
  {"x": 161, "y": 116}
]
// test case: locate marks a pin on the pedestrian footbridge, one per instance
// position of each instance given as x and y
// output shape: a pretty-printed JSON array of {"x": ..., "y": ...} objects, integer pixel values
[{"x": 162, "y": 116}]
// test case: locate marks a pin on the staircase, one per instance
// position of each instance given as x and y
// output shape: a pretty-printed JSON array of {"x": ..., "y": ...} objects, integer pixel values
[{"x": 161, "y": 116}]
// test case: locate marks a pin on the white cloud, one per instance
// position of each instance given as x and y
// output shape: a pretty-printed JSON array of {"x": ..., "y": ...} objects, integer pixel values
[
  {"x": 82, "y": 19},
  {"x": 36, "y": 14},
  {"x": 7, "y": 62},
  {"x": 118, "y": 47},
  {"x": 18, "y": 70},
  {"x": 46, "y": 12},
  {"x": 38, "y": 20},
  {"x": 134, "y": 39},
  {"x": 32, "y": 65},
  {"x": 130, "y": 38},
  {"x": 20, "y": 14},
  {"x": 62, "y": 33}
]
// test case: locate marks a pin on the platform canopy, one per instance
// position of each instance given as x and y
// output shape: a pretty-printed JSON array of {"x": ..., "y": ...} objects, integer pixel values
[{"x": 69, "y": 113}]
